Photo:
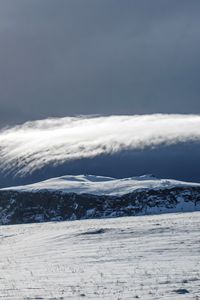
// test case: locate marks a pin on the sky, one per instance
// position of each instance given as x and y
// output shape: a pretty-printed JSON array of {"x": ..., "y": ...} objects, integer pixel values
[
  {"x": 65, "y": 58},
  {"x": 96, "y": 61}
]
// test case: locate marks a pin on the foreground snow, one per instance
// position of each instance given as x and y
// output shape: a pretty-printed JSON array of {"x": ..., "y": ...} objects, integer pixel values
[
  {"x": 150, "y": 257},
  {"x": 99, "y": 185}
]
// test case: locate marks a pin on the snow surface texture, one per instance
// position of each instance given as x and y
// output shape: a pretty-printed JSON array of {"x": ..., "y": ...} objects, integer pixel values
[
  {"x": 99, "y": 185},
  {"x": 34, "y": 145},
  {"x": 150, "y": 257}
]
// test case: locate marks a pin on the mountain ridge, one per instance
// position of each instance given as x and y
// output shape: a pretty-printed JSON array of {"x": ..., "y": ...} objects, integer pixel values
[
  {"x": 154, "y": 196},
  {"x": 100, "y": 185}
]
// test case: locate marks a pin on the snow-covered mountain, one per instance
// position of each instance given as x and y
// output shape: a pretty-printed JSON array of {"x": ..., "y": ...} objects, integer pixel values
[
  {"x": 88, "y": 196},
  {"x": 100, "y": 185}
]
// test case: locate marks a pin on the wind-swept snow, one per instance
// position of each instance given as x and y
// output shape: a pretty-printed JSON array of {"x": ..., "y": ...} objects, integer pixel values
[
  {"x": 99, "y": 185},
  {"x": 150, "y": 257}
]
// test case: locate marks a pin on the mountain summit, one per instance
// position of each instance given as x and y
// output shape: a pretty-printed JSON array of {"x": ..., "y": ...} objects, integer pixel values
[{"x": 89, "y": 196}]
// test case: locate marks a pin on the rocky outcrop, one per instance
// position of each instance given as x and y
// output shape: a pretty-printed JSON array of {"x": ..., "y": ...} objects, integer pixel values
[{"x": 27, "y": 207}]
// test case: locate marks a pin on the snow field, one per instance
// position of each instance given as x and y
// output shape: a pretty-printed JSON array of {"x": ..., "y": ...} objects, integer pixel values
[{"x": 146, "y": 257}]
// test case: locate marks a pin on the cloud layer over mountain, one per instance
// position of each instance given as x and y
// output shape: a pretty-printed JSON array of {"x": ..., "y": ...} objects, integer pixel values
[{"x": 35, "y": 145}]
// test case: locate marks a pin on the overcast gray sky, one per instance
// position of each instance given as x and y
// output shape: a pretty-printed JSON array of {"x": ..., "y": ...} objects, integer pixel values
[{"x": 68, "y": 57}]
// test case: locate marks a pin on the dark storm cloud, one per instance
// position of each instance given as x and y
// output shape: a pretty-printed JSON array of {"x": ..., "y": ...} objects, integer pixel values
[{"x": 61, "y": 57}]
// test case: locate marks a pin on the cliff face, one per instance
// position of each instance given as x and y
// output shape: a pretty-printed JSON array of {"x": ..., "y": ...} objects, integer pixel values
[{"x": 41, "y": 206}]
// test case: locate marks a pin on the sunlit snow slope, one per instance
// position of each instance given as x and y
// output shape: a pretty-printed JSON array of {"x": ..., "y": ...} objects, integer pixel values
[{"x": 150, "y": 257}]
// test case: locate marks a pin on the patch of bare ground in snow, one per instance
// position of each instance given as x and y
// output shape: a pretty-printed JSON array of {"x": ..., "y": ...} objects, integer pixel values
[{"x": 147, "y": 257}]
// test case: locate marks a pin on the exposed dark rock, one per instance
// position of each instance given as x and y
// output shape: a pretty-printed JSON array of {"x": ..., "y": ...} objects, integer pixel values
[
  {"x": 181, "y": 291},
  {"x": 27, "y": 207},
  {"x": 97, "y": 231}
]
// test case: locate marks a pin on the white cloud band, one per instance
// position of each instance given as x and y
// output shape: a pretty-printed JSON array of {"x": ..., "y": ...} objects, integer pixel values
[{"x": 33, "y": 145}]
